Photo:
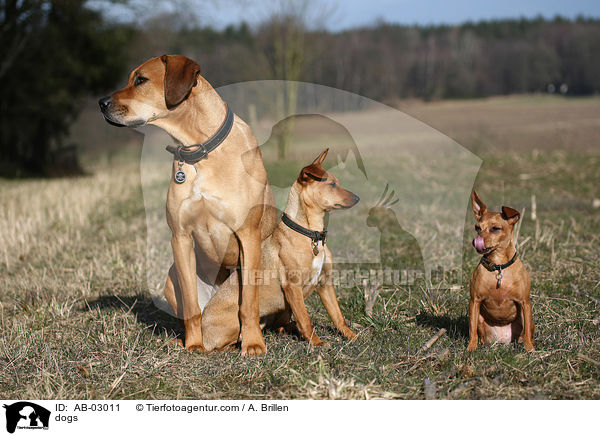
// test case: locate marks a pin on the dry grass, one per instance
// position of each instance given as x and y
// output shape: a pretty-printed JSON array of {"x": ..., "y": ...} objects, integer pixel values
[
  {"x": 516, "y": 123},
  {"x": 77, "y": 319}
]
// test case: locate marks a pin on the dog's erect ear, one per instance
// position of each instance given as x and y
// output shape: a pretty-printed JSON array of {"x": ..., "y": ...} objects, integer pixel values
[
  {"x": 319, "y": 160},
  {"x": 314, "y": 171},
  {"x": 479, "y": 207},
  {"x": 181, "y": 75},
  {"x": 511, "y": 215}
]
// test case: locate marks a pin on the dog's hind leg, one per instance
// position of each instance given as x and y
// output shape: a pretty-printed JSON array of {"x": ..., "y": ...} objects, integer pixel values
[
  {"x": 220, "y": 318},
  {"x": 253, "y": 343}
]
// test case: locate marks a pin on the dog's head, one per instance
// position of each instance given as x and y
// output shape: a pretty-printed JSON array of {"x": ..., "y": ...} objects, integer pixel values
[
  {"x": 154, "y": 90},
  {"x": 321, "y": 189},
  {"x": 494, "y": 229}
]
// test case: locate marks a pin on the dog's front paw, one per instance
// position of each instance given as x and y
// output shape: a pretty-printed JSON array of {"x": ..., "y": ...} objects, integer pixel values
[
  {"x": 350, "y": 335},
  {"x": 528, "y": 346},
  {"x": 316, "y": 341},
  {"x": 195, "y": 348},
  {"x": 323, "y": 344},
  {"x": 253, "y": 350},
  {"x": 472, "y": 346},
  {"x": 253, "y": 344},
  {"x": 176, "y": 342}
]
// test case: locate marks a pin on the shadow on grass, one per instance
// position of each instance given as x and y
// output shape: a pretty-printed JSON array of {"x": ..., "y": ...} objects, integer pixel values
[
  {"x": 159, "y": 321},
  {"x": 456, "y": 328},
  {"x": 144, "y": 310}
]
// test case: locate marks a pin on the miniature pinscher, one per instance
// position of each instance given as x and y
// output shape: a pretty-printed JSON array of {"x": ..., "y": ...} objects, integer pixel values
[
  {"x": 500, "y": 308},
  {"x": 295, "y": 262}
]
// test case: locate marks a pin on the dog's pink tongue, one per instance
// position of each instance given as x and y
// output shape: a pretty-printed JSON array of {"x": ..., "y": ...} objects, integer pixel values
[{"x": 479, "y": 244}]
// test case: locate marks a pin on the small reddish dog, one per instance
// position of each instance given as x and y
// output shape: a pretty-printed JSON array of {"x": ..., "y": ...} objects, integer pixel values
[
  {"x": 295, "y": 262},
  {"x": 499, "y": 309}
]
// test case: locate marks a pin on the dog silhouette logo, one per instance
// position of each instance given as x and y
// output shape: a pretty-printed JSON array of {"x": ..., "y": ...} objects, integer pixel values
[{"x": 26, "y": 415}]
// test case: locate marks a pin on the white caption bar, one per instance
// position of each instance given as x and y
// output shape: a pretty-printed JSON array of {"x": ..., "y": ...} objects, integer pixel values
[{"x": 152, "y": 417}]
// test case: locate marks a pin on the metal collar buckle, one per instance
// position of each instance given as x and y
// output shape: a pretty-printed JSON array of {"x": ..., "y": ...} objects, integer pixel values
[{"x": 203, "y": 152}]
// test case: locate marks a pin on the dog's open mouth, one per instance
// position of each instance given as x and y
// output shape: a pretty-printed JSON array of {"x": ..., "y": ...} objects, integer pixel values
[{"x": 485, "y": 250}]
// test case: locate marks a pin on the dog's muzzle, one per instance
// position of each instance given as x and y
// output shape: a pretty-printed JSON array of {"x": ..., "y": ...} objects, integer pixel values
[{"x": 104, "y": 103}]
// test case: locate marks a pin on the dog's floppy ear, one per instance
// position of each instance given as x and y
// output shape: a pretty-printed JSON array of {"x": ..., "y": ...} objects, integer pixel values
[
  {"x": 511, "y": 215},
  {"x": 181, "y": 75},
  {"x": 479, "y": 207}
]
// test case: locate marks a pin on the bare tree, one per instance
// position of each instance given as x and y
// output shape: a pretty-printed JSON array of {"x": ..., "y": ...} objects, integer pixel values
[{"x": 284, "y": 39}]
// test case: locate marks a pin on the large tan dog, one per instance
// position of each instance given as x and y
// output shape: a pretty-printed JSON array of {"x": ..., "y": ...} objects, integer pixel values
[
  {"x": 224, "y": 207},
  {"x": 295, "y": 263}
]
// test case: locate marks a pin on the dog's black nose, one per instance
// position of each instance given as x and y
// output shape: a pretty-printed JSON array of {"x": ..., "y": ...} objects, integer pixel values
[
  {"x": 356, "y": 198},
  {"x": 104, "y": 103}
]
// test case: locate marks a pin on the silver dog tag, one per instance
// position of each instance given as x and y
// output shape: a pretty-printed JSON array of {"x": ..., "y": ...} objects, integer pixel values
[
  {"x": 499, "y": 277},
  {"x": 179, "y": 177}
]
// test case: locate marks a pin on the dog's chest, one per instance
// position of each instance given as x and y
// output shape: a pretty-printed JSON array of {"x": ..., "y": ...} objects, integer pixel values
[
  {"x": 206, "y": 195},
  {"x": 316, "y": 268},
  {"x": 206, "y": 211},
  {"x": 498, "y": 303},
  {"x": 207, "y": 203}
]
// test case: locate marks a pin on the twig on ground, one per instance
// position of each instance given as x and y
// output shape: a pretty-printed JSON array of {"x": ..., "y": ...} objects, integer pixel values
[
  {"x": 588, "y": 359},
  {"x": 354, "y": 324},
  {"x": 585, "y": 294},
  {"x": 115, "y": 384},
  {"x": 371, "y": 294},
  {"x": 433, "y": 340}
]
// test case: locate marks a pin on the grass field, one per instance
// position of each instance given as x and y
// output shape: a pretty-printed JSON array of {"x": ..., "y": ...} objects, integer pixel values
[{"x": 78, "y": 321}]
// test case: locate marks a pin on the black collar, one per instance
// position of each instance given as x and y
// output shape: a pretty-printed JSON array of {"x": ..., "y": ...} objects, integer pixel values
[
  {"x": 182, "y": 152},
  {"x": 314, "y": 235},
  {"x": 487, "y": 264}
]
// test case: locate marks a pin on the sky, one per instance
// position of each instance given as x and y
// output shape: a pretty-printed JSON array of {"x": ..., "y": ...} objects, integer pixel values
[{"x": 338, "y": 15}]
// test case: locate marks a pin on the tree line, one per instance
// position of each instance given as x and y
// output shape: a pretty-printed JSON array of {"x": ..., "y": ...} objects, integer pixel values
[{"x": 388, "y": 61}]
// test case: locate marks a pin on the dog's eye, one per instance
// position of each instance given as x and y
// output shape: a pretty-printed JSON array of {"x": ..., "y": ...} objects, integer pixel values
[
  {"x": 139, "y": 80},
  {"x": 332, "y": 184},
  {"x": 496, "y": 229}
]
